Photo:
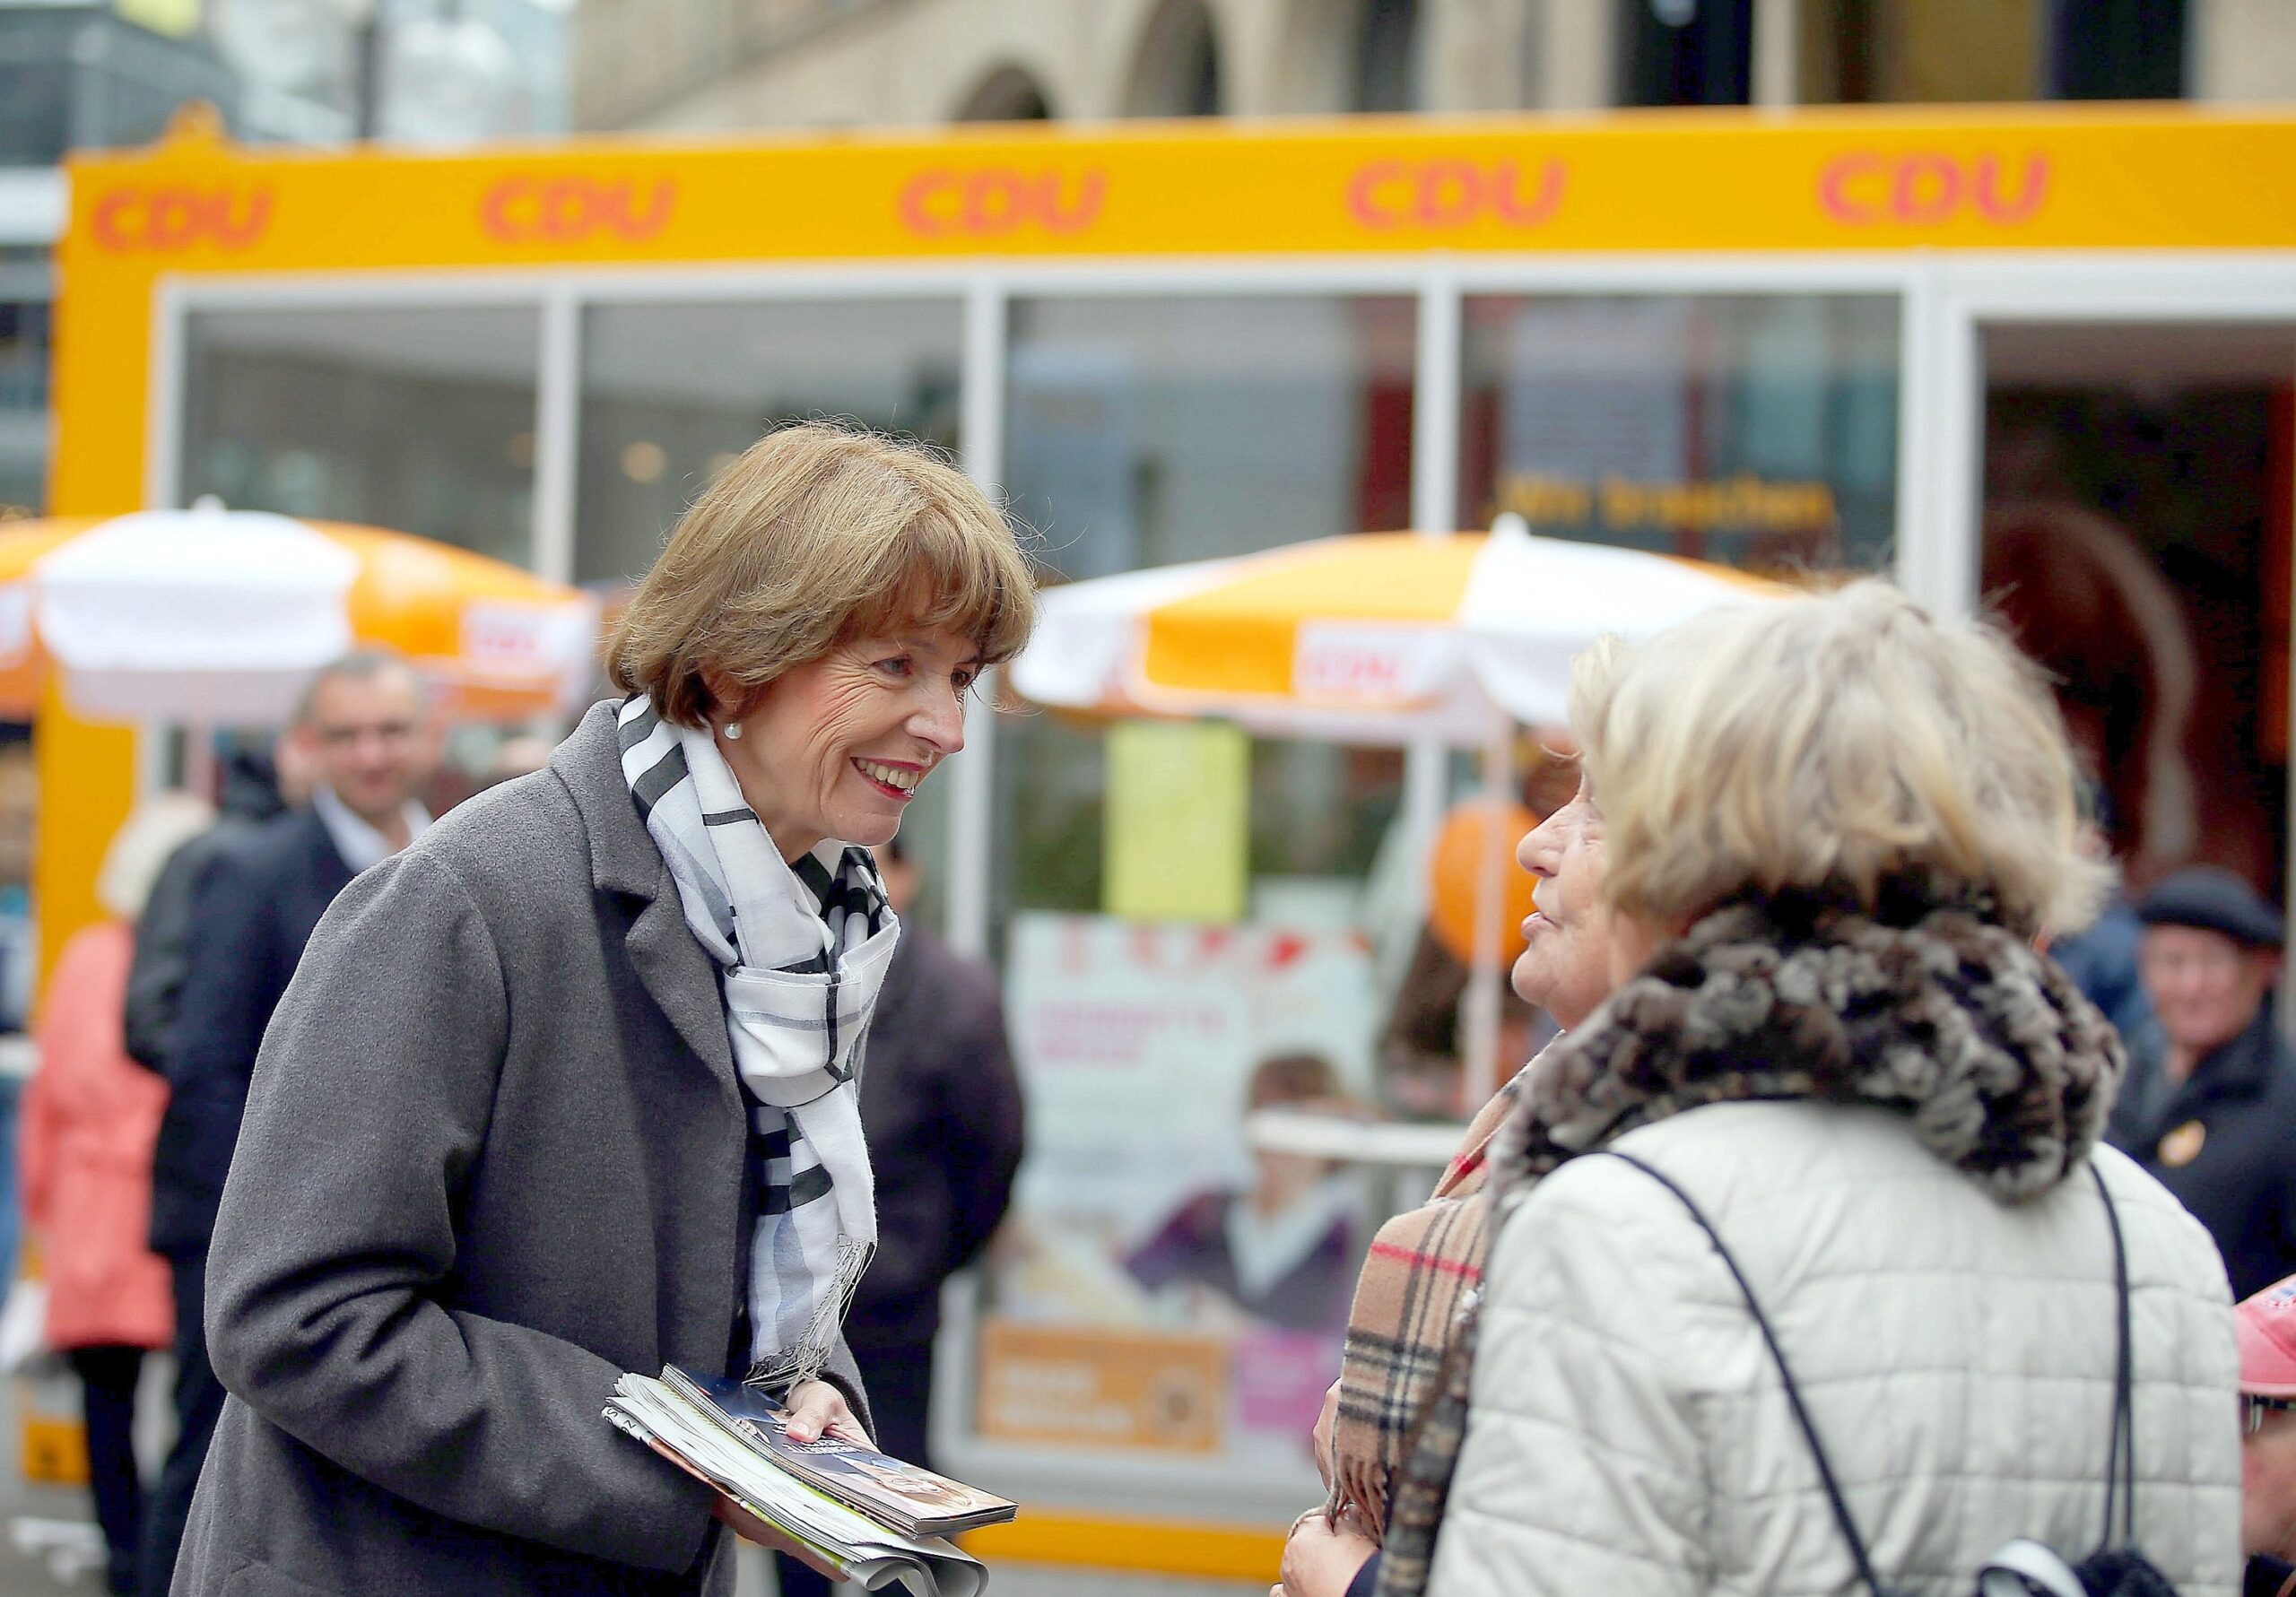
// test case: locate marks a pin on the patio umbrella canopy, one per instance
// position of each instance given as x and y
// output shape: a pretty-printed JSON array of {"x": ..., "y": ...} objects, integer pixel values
[
  {"x": 1378, "y": 638},
  {"x": 218, "y": 617},
  {"x": 1375, "y": 637}
]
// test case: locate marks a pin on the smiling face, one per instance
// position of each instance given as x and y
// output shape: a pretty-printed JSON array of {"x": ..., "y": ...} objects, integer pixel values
[
  {"x": 2205, "y": 987},
  {"x": 1565, "y": 965},
  {"x": 837, "y": 747},
  {"x": 368, "y": 738}
]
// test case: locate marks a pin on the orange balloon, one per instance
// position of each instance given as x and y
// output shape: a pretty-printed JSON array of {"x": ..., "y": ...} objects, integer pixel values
[{"x": 1454, "y": 866}]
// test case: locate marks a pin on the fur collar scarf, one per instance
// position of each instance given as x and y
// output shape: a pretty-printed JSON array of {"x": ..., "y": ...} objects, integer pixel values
[{"x": 2006, "y": 1072}]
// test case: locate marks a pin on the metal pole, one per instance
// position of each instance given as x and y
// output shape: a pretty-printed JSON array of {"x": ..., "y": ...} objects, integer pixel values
[
  {"x": 1941, "y": 448},
  {"x": 1434, "y": 514},
  {"x": 557, "y": 406},
  {"x": 972, "y": 797},
  {"x": 367, "y": 75},
  {"x": 1479, "y": 1030},
  {"x": 1435, "y": 408},
  {"x": 1778, "y": 27}
]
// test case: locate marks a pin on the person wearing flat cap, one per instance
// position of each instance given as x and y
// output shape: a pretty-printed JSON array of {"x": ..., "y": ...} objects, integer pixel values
[
  {"x": 2266, "y": 1325},
  {"x": 2209, "y": 1103}
]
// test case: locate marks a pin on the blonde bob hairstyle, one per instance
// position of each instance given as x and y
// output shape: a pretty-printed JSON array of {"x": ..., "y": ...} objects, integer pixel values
[
  {"x": 1829, "y": 741},
  {"x": 816, "y": 535}
]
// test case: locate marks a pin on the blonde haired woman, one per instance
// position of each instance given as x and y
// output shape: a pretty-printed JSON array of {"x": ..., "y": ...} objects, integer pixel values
[
  {"x": 1835, "y": 829},
  {"x": 567, "y": 1088}
]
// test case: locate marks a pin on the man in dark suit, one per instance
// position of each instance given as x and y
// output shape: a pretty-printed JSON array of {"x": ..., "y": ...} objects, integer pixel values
[
  {"x": 362, "y": 728},
  {"x": 940, "y": 1106},
  {"x": 257, "y": 787}
]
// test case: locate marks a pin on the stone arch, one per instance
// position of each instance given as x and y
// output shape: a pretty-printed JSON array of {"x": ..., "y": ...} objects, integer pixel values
[
  {"x": 1008, "y": 93},
  {"x": 1175, "y": 68}
]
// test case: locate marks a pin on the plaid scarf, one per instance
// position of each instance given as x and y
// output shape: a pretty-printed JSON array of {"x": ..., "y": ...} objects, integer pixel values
[
  {"x": 801, "y": 951},
  {"x": 1931, "y": 1006},
  {"x": 1421, "y": 1266}
]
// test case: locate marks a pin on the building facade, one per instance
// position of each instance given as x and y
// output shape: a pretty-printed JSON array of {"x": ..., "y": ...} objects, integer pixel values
[{"x": 725, "y": 63}]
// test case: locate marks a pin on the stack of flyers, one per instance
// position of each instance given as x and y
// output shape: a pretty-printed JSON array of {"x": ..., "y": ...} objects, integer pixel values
[
  {"x": 837, "y": 1500},
  {"x": 906, "y": 1497}
]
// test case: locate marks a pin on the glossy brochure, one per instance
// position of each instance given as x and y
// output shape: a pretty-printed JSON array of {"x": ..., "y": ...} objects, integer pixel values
[{"x": 872, "y": 1555}]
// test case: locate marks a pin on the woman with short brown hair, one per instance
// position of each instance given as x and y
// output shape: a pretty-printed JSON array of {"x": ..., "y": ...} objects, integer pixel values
[{"x": 567, "y": 1088}]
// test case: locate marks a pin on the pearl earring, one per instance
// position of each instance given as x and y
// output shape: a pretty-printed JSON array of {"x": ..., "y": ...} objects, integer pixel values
[{"x": 734, "y": 730}]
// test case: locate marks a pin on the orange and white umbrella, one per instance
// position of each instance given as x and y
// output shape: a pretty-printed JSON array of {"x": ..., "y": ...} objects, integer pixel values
[
  {"x": 1381, "y": 637},
  {"x": 217, "y": 617}
]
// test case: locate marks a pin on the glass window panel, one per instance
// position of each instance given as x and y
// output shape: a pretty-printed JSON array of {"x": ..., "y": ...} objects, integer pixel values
[
  {"x": 1139, "y": 433},
  {"x": 419, "y": 419},
  {"x": 2138, "y": 529},
  {"x": 1757, "y": 429},
  {"x": 672, "y": 393},
  {"x": 1146, "y": 432},
  {"x": 25, "y": 334}
]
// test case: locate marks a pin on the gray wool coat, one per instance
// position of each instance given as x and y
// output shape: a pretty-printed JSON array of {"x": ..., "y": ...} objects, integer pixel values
[{"x": 493, "y": 1157}]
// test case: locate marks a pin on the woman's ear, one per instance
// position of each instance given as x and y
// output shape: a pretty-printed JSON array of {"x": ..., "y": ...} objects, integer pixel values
[{"x": 727, "y": 700}]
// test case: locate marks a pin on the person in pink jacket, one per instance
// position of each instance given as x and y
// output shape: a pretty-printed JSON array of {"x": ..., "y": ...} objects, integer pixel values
[{"x": 90, "y": 1116}]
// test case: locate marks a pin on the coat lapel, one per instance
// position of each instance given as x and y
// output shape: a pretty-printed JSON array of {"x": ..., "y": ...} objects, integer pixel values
[
  {"x": 681, "y": 979},
  {"x": 675, "y": 970}
]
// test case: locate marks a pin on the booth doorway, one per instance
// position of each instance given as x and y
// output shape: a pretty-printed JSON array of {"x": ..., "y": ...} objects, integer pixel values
[{"x": 2138, "y": 490}]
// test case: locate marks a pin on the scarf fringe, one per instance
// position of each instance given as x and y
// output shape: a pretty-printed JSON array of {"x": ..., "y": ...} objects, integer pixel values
[{"x": 794, "y": 1367}]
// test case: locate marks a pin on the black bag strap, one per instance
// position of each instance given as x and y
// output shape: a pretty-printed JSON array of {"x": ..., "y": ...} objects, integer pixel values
[
  {"x": 2120, "y": 1460},
  {"x": 1857, "y": 1552}
]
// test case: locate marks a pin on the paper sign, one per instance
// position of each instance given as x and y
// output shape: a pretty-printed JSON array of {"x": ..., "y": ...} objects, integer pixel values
[
  {"x": 1177, "y": 821},
  {"x": 1136, "y": 1047},
  {"x": 1074, "y": 1385}
]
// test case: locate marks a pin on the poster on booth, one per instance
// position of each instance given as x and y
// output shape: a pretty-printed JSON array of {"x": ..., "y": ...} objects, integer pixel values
[{"x": 1162, "y": 1289}]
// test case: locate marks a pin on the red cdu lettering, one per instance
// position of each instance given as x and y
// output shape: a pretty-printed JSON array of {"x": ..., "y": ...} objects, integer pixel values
[
  {"x": 1000, "y": 201},
  {"x": 1927, "y": 188},
  {"x": 1845, "y": 189},
  {"x": 1064, "y": 214},
  {"x": 926, "y": 203},
  {"x": 994, "y": 203},
  {"x": 1448, "y": 192},
  {"x": 2000, "y": 206},
  {"x": 1525, "y": 211},
  {"x": 169, "y": 220},
  {"x": 1372, "y": 196},
  {"x": 527, "y": 210}
]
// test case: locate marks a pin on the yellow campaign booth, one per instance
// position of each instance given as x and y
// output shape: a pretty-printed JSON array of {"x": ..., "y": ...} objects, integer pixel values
[{"x": 1926, "y": 342}]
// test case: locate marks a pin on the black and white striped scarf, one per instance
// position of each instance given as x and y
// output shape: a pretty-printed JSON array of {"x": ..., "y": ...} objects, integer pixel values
[{"x": 801, "y": 951}]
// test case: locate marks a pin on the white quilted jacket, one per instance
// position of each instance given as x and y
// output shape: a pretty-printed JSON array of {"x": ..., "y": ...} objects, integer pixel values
[{"x": 1629, "y": 1434}]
